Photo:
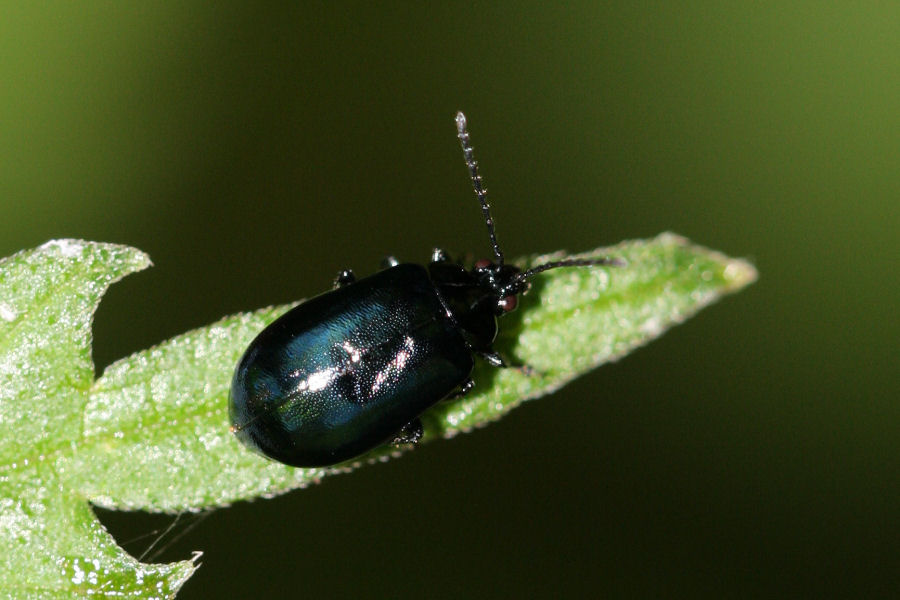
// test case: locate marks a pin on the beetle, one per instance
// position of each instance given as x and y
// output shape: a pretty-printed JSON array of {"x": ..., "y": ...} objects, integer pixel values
[{"x": 354, "y": 368}]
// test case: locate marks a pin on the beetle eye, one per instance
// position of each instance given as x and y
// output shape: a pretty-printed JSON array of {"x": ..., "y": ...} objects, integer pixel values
[
  {"x": 482, "y": 264},
  {"x": 509, "y": 303}
]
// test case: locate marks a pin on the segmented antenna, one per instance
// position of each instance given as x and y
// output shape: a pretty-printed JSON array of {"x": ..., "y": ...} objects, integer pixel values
[
  {"x": 519, "y": 281},
  {"x": 572, "y": 262},
  {"x": 480, "y": 192}
]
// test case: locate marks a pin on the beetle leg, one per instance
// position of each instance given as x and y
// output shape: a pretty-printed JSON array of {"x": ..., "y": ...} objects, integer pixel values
[
  {"x": 496, "y": 360},
  {"x": 345, "y": 277},
  {"x": 410, "y": 434},
  {"x": 439, "y": 255},
  {"x": 389, "y": 261},
  {"x": 464, "y": 389}
]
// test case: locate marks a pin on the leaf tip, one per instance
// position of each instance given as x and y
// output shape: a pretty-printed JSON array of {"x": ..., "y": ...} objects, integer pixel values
[
  {"x": 739, "y": 273},
  {"x": 735, "y": 273}
]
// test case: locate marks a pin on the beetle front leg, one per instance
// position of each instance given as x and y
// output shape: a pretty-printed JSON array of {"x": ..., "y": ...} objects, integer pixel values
[
  {"x": 439, "y": 255},
  {"x": 496, "y": 360}
]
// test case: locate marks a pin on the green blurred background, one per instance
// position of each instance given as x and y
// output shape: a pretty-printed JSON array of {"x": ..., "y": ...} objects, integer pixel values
[{"x": 253, "y": 151}]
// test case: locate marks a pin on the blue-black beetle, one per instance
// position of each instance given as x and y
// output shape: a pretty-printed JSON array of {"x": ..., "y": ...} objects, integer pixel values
[{"x": 354, "y": 368}]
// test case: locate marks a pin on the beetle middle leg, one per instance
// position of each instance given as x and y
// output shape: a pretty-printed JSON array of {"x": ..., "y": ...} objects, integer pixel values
[{"x": 389, "y": 261}]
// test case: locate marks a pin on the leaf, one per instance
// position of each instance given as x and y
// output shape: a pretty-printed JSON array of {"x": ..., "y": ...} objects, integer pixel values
[
  {"x": 152, "y": 432},
  {"x": 156, "y": 424},
  {"x": 52, "y": 544}
]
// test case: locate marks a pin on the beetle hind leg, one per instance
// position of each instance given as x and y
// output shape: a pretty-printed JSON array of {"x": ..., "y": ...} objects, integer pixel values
[{"x": 410, "y": 434}]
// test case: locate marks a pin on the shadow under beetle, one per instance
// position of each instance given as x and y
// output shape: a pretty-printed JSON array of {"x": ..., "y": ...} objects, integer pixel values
[{"x": 354, "y": 368}]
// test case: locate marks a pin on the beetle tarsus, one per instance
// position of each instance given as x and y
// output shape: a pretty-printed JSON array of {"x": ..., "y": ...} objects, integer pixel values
[
  {"x": 439, "y": 255},
  {"x": 495, "y": 359},
  {"x": 464, "y": 389},
  {"x": 389, "y": 261},
  {"x": 345, "y": 277}
]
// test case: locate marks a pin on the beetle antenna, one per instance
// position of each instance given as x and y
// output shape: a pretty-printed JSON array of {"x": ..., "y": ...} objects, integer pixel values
[
  {"x": 522, "y": 277},
  {"x": 480, "y": 192}
]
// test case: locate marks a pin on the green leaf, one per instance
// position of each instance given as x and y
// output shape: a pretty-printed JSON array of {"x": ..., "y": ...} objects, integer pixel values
[
  {"x": 52, "y": 544},
  {"x": 152, "y": 432}
]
